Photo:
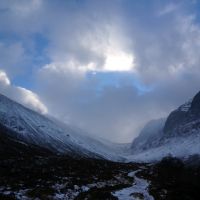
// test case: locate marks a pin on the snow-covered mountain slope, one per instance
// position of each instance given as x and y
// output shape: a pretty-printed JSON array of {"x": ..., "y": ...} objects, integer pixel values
[
  {"x": 36, "y": 129},
  {"x": 182, "y": 147},
  {"x": 180, "y": 135},
  {"x": 148, "y": 135},
  {"x": 11, "y": 147},
  {"x": 109, "y": 150}
]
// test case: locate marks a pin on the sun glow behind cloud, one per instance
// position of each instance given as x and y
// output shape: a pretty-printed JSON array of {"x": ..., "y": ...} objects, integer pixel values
[
  {"x": 115, "y": 61},
  {"x": 118, "y": 61}
]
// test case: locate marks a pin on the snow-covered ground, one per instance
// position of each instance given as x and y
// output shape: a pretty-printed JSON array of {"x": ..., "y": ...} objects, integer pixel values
[
  {"x": 181, "y": 147},
  {"x": 138, "y": 191}
]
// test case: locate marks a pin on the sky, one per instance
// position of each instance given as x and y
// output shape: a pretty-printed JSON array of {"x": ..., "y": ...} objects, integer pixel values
[{"x": 107, "y": 67}]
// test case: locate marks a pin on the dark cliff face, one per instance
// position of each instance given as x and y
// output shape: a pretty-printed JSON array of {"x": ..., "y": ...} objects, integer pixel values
[
  {"x": 195, "y": 105},
  {"x": 175, "y": 119},
  {"x": 184, "y": 120}
]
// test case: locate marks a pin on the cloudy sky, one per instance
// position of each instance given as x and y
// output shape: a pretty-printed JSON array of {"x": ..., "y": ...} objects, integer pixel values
[{"x": 107, "y": 66}]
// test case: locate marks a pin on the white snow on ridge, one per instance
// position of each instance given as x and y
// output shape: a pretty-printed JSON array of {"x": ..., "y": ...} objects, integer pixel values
[{"x": 186, "y": 106}]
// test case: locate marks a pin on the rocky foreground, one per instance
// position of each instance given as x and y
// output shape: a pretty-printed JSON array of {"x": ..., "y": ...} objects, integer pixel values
[{"x": 60, "y": 177}]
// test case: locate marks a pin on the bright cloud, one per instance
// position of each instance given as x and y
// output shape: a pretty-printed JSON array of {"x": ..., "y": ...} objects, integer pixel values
[
  {"x": 4, "y": 80},
  {"x": 20, "y": 94}
]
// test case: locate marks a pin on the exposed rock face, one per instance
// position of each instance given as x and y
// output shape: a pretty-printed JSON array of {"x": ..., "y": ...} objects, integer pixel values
[
  {"x": 175, "y": 119},
  {"x": 184, "y": 121}
]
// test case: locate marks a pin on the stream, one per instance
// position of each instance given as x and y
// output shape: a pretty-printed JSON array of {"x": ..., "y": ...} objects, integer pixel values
[{"x": 138, "y": 191}]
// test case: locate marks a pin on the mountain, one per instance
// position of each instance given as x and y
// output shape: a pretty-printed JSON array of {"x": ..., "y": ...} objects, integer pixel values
[
  {"x": 40, "y": 158},
  {"x": 33, "y": 129},
  {"x": 148, "y": 135},
  {"x": 178, "y": 136}
]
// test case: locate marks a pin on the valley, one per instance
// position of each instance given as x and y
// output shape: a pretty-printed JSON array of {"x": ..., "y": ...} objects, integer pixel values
[
  {"x": 99, "y": 100},
  {"x": 41, "y": 158}
]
